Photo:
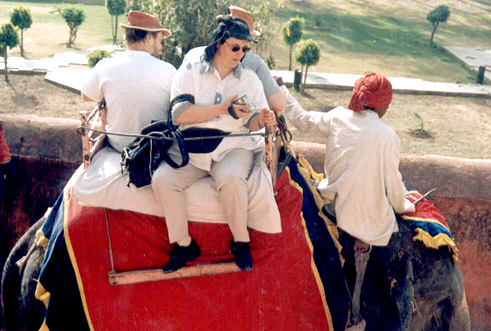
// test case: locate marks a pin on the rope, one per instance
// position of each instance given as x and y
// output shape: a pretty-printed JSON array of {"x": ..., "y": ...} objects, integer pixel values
[
  {"x": 81, "y": 129},
  {"x": 111, "y": 259},
  {"x": 283, "y": 132}
]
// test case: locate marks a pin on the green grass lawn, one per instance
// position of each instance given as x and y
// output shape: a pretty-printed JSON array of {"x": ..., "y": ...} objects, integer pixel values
[
  {"x": 49, "y": 33},
  {"x": 390, "y": 37}
]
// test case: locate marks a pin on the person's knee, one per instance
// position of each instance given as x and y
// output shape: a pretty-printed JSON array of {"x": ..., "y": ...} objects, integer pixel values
[
  {"x": 231, "y": 183},
  {"x": 162, "y": 177}
]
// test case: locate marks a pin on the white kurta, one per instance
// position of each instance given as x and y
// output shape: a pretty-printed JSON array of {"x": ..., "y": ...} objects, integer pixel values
[{"x": 362, "y": 169}]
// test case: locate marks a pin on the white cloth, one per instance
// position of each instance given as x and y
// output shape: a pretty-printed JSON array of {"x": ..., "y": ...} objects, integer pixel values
[
  {"x": 136, "y": 87},
  {"x": 251, "y": 61},
  {"x": 361, "y": 166},
  {"x": 201, "y": 80},
  {"x": 103, "y": 185}
]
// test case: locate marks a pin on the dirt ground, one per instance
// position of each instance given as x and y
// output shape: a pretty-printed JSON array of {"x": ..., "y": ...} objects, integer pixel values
[{"x": 426, "y": 124}]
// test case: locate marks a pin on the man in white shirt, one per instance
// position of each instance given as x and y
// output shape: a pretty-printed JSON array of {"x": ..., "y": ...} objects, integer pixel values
[
  {"x": 214, "y": 83},
  {"x": 363, "y": 186},
  {"x": 135, "y": 85}
]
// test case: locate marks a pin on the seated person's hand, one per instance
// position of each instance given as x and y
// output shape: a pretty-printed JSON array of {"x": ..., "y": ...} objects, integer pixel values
[
  {"x": 267, "y": 118},
  {"x": 409, "y": 207},
  {"x": 241, "y": 111}
]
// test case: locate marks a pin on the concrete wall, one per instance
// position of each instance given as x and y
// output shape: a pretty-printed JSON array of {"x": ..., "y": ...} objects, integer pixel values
[{"x": 46, "y": 151}]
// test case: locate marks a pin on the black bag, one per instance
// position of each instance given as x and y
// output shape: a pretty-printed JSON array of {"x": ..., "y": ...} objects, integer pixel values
[{"x": 142, "y": 157}]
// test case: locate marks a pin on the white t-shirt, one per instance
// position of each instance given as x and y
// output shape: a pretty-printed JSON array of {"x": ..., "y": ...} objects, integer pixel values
[
  {"x": 361, "y": 166},
  {"x": 201, "y": 80},
  {"x": 136, "y": 87}
]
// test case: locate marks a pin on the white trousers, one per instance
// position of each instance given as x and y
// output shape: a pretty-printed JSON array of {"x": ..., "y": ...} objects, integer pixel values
[{"x": 230, "y": 177}]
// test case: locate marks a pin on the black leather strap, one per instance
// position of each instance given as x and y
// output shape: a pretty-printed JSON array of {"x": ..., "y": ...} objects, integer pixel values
[{"x": 182, "y": 149}]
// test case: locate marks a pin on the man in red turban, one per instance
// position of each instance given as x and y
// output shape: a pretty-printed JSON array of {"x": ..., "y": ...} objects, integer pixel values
[
  {"x": 363, "y": 186},
  {"x": 371, "y": 91}
]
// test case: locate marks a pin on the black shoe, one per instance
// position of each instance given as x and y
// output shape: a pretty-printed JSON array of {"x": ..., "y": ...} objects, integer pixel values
[
  {"x": 180, "y": 255},
  {"x": 242, "y": 253}
]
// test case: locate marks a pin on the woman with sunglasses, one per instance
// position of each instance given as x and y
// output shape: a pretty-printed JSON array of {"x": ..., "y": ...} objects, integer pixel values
[{"x": 215, "y": 82}]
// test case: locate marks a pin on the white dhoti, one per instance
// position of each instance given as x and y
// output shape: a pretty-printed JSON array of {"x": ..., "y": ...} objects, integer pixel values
[{"x": 103, "y": 185}]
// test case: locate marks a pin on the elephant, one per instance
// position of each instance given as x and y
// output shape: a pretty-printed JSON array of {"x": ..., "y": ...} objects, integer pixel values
[
  {"x": 406, "y": 287},
  {"x": 21, "y": 310}
]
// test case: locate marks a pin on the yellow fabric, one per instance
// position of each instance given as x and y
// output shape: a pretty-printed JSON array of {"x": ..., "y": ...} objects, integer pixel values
[
  {"x": 41, "y": 294},
  {"x": 437, "y": 242},
  {"x": 44, "y": 327},
  {"x": 41, "y": 240}
]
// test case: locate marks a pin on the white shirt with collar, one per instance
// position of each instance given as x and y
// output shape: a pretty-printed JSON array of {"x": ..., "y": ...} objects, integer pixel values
[
  {"x": 136, "y": 87},
  {"x": 362, "y": 169},
  {"x": 203, "y": 81},
  {"x": 251, "y": 61}
]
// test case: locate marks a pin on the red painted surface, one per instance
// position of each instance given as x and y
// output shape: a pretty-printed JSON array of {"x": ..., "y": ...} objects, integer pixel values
[{"x": 280, "y": 293}]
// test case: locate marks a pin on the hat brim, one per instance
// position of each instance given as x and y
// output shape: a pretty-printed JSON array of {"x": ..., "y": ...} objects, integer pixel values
[
  {"x": 165, "y": 32},
  {"x": 255, "y": 34}
]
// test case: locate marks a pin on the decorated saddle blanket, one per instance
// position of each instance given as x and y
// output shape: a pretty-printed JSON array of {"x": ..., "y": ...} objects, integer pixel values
[
  {"x": 429, "y": 225},
  {"x": 297, "y": 282}
]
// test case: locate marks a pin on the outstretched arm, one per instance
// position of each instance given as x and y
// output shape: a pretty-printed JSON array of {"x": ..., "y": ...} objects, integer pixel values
[{"x": 305, "y": 121}]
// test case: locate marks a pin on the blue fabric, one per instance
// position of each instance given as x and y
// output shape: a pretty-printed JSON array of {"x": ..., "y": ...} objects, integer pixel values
[
  {"x": 325, "y": 253},
  {"x": 431, "y": 228},
  {"x": 51, "y": 219},
  {"x": 65, "y": 309}
]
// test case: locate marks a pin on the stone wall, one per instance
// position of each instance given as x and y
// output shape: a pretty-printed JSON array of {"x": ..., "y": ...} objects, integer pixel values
[{"x": 46, "y": 151}]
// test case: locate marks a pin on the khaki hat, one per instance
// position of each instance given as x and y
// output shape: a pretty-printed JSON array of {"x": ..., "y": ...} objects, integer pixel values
[
  {"x": 234, "y": 11},
  {"x": 143, "y": 21}
]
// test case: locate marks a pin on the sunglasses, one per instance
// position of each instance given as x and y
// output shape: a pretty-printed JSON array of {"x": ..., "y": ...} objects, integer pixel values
[{"x": 236, "y": 48}]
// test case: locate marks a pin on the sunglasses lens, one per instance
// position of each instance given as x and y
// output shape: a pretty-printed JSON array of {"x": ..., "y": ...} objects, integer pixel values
[
  {"x": 246, "y": 49},
  {"x": 235, "y": 49}
]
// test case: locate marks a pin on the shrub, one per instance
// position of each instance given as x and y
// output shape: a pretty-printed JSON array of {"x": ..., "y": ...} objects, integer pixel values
[
  {"x": 438, "y": 15},
  {"x": 96, "y": 55},
  {"x": 292, "y": 33},
  {"x": 308, "y": 54},
  {"x": 74, "y": 17},
  {"x": 21, "y": 17},
  {"x": 10, "y": 39}
]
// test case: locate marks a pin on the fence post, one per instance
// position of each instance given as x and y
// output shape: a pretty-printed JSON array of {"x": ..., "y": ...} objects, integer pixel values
[
  {"x": 297, "y": 80},
  {"x": 480, "y": 74}
]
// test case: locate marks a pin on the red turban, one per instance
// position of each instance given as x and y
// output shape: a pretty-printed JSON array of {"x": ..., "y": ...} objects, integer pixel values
[{"x": 372, "y": 90}]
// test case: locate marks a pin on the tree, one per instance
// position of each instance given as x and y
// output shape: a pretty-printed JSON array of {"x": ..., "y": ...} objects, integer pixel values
[
  {"x": 292, "y": 33},
  {"x": 115, "y": 9},
  {"x": 96, "y": 55},
  {"x": 438, "y": 15},
  {"x": 191, "y": 23},
  {"x": 21, "y": 17},
  {"x": 74, "y": 17},
  {"x": 308, "y": 54},
  {"x": 8, "y": 38}
]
